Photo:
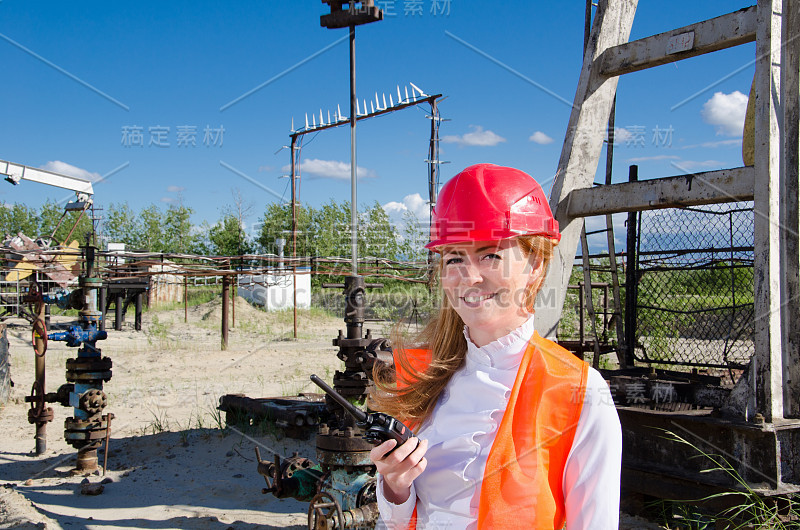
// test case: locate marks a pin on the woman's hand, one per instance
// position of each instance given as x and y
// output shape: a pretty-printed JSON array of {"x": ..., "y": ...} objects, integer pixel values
[{"x": 400, "y": 467}]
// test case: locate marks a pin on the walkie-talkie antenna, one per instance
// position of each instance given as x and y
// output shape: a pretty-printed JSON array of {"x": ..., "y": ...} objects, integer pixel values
[{"x": 354, "y": 411}]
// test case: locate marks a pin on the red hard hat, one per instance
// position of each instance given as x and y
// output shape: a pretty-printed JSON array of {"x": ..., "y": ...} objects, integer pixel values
[{"x": 486, "y": 202}]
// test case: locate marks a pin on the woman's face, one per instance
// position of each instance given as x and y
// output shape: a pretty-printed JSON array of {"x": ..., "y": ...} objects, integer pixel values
[{"x": 486, "y": 282}]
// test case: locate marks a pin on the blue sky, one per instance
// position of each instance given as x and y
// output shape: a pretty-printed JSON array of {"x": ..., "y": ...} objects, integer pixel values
[{"x": 78, "y": 76}]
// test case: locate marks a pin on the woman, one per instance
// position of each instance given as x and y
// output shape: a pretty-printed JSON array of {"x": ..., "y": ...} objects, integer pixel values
[{"x": 512, "y": 430}]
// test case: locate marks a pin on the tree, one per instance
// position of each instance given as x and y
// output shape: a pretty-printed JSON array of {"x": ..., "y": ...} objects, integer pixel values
[
  {"x": 332, "y": 230},
  {"x": 19, "y": 218},
  {"x": 277, "y": 223},
  {"x": 415, "y": 236},
  {"x": 178, "y": 234},
  {"x": 119, "y": 225},
  {"x": 376, "y": 235},
  {"x": 227, "y": 237},
  {"x": 148, "y": 230},
  {"x": 201, "y": 244}
]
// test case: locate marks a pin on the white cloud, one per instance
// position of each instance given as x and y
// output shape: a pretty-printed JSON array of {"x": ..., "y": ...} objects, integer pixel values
[
  {"x": 331, "y": 169},
  {"x": 57, "y": 166},
  {"x": 167, "y": 200},
  {"x": 175, "y": 189},
  {"x": 652, "y": 158},
  {"x": 540, "y": 138},
  {"x": 726, "y": 112},
  {"x": 621, "y": 135},
  {"x": 410, "y": 203},
  {"x": 265, "y": 168},
  {"x": 414, "y": 203},
  {"x": 712, "y": 145},
  {"x": 688, "y": 165},
  {"x": 478, "y": 137}
]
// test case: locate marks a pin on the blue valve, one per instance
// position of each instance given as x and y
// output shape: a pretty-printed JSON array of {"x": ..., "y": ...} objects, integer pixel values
[
  {"x": 59, "y": 297},
  {"x": 75, "y": 335}
]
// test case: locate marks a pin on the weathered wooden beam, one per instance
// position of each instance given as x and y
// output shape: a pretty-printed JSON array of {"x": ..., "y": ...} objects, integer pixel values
[
  {"x": 580, "y": 153},
  {"x": 708, "y": 36},
  {"x": 790, "y": 191},
  {"x": 767, "y": 361},
  {"x": 725, "y": 185}
]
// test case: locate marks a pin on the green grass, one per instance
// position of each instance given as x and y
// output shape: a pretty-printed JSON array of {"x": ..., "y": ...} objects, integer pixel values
[
  {"x": 158, "y": 424},
  {"x": 196, "y": 296},
  {"x": 777, "y": 513}
]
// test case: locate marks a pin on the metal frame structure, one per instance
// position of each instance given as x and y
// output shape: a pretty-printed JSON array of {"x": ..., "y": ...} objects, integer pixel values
[
  {"x": 759, "y": 432},
  {"x": 16, "y": 172}
]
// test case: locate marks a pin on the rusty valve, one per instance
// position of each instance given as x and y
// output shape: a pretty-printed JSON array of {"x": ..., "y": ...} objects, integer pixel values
[
  {"x": 93, "y": 401},
  {"x": 38, "y": 413}
]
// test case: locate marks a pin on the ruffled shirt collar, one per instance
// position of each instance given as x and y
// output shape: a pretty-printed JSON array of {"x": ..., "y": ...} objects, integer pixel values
[{"x": 504, "y": 353}]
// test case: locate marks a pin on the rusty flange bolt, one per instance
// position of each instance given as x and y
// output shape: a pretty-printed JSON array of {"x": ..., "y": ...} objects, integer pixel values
[
  {"x": 85, "y": 433},
  {"x": 83, "y": 370},
  {"x": 93, "y": 401}
]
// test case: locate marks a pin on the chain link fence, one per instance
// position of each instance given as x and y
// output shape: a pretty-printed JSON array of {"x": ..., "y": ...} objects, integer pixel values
[{"x": 694, "y": 290}]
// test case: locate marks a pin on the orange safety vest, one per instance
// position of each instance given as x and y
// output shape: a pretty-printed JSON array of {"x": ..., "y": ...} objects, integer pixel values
[{"x": 522, "y": 482}]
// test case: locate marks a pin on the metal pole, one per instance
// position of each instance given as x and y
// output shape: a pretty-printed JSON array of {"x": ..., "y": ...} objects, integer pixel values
[
  {"x": 233, "y": 300},
  {"x": 137, "y": 322},
  {"x": 630, "y": 278},
  {"x": 102, "y": 302},
  {"x": 612, "y": 252},
  {"x": 40, "y": 369},
  {"x": 118, "y": 314},
  {"x": 185, "y": 299},
  {"x": 353, "y": 166},
  {"x": 433, "y": 158},
  {"x": 294, "y": 236},
  {"x": 433, "y": 180},
  {"x": 581, "y": 303},
  {"x": 225, "y": 289}
]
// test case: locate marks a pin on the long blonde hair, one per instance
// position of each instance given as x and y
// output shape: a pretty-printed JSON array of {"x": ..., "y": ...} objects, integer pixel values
[{"x": 412, "y": 401}]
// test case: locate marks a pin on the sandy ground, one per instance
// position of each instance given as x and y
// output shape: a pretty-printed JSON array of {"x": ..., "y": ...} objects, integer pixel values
[{"x": 170, "y": 463}]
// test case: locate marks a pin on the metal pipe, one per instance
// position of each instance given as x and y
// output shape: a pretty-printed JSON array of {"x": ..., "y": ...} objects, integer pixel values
[
  {"x": 138, "y": 317},
  {"x": 353, "y": 166},
  {"x": 78, "y": 220},
  {"x": 185, "y": 299},
  {"x": 630, "y": 278},
  {"x": 40, "y": 371},
  {"x": 581, "y": 302},
  {"x": 225, "y": 289},
  {"x": 109, "y": 417},
  {"x": 612, "y": 252},
  {"x": 433, "y": 181},
  {"x": 102, "y": 307},
  {"x": 433, "y": 158},
  {"x": 292, "y": 148},
  {"x": 118, "y": 314}
]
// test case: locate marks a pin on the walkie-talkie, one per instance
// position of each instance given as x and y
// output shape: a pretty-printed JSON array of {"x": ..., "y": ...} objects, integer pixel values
[{"x": 379, "y": 427}]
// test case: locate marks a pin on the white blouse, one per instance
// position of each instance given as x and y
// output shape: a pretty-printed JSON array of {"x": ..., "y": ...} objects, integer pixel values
[{"x": 461, "y": 431}]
